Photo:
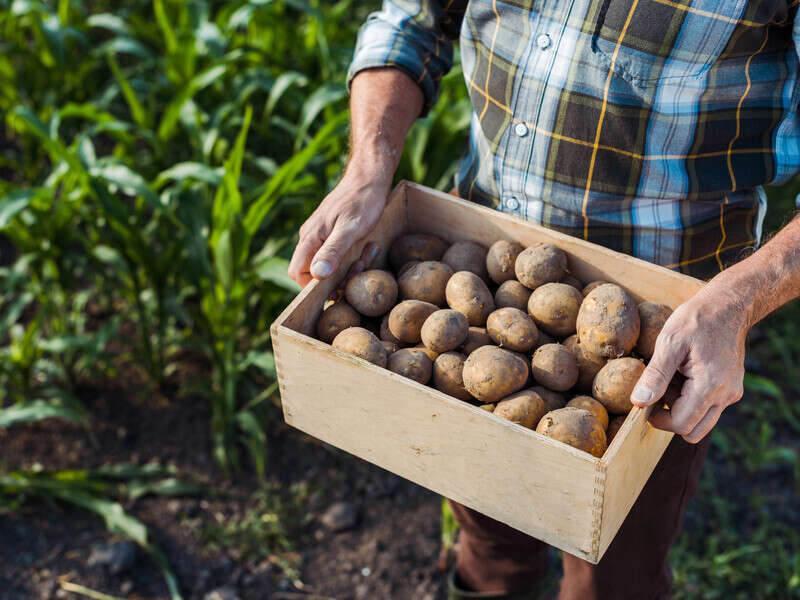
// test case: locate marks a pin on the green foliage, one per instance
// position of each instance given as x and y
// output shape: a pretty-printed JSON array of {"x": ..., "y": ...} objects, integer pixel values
[{"x": 98, "y": 491}]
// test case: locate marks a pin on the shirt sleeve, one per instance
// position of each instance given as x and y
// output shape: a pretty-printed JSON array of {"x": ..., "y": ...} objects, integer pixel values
[{"x": 415, "y": 37}]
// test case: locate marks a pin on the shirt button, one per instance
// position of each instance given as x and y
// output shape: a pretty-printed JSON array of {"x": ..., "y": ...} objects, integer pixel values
[
  {"x": 512, "y": 203},
  {"x": 521, "y": 129},
  {"x": 543, "y": 41}
]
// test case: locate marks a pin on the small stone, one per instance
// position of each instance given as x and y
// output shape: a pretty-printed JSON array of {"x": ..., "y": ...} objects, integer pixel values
[
  {"x": 117, "y": 557},
  {"x": 223, "y": 593},
  {"x": 366, "y": 572},
  {"x": 340, "y": 516}
]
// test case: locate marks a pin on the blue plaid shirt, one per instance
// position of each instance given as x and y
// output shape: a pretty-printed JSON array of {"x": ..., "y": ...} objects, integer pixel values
[{"x": 648, "y": 126}]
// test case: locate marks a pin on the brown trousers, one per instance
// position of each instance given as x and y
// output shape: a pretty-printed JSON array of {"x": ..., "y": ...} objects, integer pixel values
[{"x": 493, "y": 557}]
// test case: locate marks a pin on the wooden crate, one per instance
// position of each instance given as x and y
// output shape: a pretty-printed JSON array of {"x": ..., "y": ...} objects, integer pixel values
[{"x": 547, "y": 489}]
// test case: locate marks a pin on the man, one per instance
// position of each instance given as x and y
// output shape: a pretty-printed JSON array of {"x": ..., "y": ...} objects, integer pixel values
[{"x": 647, "y": 126}]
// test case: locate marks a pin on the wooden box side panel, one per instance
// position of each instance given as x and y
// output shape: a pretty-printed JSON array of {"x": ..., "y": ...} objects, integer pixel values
[
  {"x": 510, "y": 473},
  {"x": 449, "y": 217},
  {"x": 628, "y": 466}
]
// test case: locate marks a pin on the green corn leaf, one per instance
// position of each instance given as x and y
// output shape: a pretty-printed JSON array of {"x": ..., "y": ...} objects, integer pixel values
[
  {"x": 138, "y": 112},
  {"x": 37, "y": 410},
  {"x": 763, "y": 385},
  {"x": 13, "y": 204},
  {"x": 173, "y": 111},
  {"x": 282, "y": 83},
  {"x": 254, "y": 438},
  {"x": 324, "y": 96},
  {"x": 223, "y": 260},
  {"x": 124, "y": 45},
  {"x": 167, "y": 31},
  {"x": 170, "y": 486},
  {"x": 289, "y": 170},
  {"x": 189, "y": 170},
  {"x": 264, "y": 361},
  {"x": 228, "y": 199},
  {"x": 110, "y": 22},
  {"x": 123, "y": 177},
  {"x": 275, "y": 270}
]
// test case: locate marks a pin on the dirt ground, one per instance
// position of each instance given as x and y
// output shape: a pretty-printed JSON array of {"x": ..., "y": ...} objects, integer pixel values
[{"x": 392, "y": 551}]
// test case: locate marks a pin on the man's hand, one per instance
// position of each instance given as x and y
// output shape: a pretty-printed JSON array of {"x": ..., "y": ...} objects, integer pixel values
[
  {"x": 704, "y": 339},
  {"x": 346, "y": 215}
]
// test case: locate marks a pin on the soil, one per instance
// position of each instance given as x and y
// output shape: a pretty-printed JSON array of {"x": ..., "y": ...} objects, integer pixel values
[{"x": 391, "y": 552}]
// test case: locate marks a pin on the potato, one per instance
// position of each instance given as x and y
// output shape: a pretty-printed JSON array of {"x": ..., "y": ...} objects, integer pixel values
[
  {"x": 448, "y": 375},
  {"x": 390, "y": 347},
  {"x": 415, "y": 246},
  {"x": 554, "y": 308},
  {"x": 525, "y": 408},
  {"x": 540, "y": 264},
  {"x": 406, "y": 267},
  {"x": 444, "y": 330},
  {"x": 614, "y": 383},
  {"x": 552, "y": 400},
  {"x": 575, "y": 426},
  {"x": 652, "y": 317},
  {"x": 468, "y": 294},
  {"x": 593, "y": 406},
  {"x": 491, "y": 373},
  {"x": 512, "y": 329},
  {"x": 384, "y": 332},
  {"x": 362, "y": 343},
  {"x": 488, "y": 407},
  {"x": 467, "y": 256},
  {"x": 432, "y": 354},
  {"x": 570, "y": 279},
  {"x": 500, "y": 260},
  {"x": 554, "y": 367},
  {"x": 372, "y": 293},
  {"x": 512, "y": 294},
  {"x": 590, "y": 286},
  {"x": 406, "y": 319},
  {"x": 613, "y": 427},
  {"x": 424, "y": 281},
  {"x": 412, "y": 363},
  {"x": 608, "y": 321},
  {"x": 588, "y": 363},
  {"x": 476, "y": 337},
  {"x": 543, "y": 339},
  {"x": 336, "y": 318}
]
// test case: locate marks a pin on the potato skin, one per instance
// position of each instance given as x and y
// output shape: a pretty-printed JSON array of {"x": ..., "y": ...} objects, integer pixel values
[
  {"x": 385, "y": 334},
  {"x": 390, "y": 347},
  {"x": 476, "y": 337},
  {"x": 444, "y": 330},
  {"x": 424, "y": 281},
  {"x": 552, "y": 400},
  {"x": 590, "y": 286},
  {"x": 468, "y": 294},
  {"x": 415, "y": 246},
  {"x": 512, "y": 294},
  {"x": 524, "y": 407},
  {"x": 500, "y": 260},
  {"x": 539, "y": 264},
  {"x": 588, "y": 363},
  {"x": 593, "y": 406},
  {"x": 613, "y": 427},
  {"x": 652, "y": 316},
  {"x": 614, "y": 383},
  {"x": 432, "y": 354},
  {"x": 372, "y": 292},
  {"x": 448, "y": 375},
  {"x": 467, "y": 256},
  {"x": 336, "y": 318},
  {"x": 544, "y": 339},
  {"x": 554, "y": 367},
  {"x": 554, "y": 307},
  {"x": 570, "y": 279},
  {"x": 406, "y": 319},
  {"x": 512, "y": 329},
  {"x": 577, "y": 427},
  {"x": 488, "y": 407},
  {"x": 362, "y": 343},
  {"x": 412, "y": 363},
  {"x": 491, "y": 373},
  {"x": 608, "y": 321}
]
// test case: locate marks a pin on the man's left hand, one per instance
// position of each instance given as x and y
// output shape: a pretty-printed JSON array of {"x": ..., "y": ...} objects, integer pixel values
[{"x": 704, "y": 339}]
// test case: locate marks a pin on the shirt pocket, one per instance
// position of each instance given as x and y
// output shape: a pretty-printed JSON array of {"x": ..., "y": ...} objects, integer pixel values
[{"x": 645, "y": 41}]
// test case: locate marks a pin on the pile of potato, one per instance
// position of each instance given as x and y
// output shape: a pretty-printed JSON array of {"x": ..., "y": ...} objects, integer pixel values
[{"x": 507, "y": 328}]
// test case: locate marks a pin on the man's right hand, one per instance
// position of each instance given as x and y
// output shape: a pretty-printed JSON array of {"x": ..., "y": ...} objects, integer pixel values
[{"x": 345, "y": 216}]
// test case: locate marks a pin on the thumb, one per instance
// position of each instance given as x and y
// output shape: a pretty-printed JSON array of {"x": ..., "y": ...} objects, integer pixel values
[
  {"x": 655, "y": 379},
  {"x": 330, "y": 255}
]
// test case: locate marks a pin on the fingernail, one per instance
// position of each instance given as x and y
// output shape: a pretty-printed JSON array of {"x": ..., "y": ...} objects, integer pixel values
[
  {"x": 320, "y": 268},
  {"x": 642, "y": 394}
]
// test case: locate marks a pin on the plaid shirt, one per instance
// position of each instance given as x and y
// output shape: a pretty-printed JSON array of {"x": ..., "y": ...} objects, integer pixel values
[{"x": 648, "y": 126}]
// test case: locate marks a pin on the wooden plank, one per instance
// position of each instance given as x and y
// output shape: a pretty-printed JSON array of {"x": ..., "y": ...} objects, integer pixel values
[
  {"x": 628, "y": 465},
  {"x": 454, "y": 219},
  {"x": 503, "y": 470}
]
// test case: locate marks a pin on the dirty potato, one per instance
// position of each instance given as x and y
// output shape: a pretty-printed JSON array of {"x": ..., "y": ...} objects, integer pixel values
[
  {"x": 608, "y": 321},
  {"x": 491, "y": 373},
  {"x": 416, "y": 246},
  {"x": 588, "y": 363},
  {"x": 406, "y": 319},
  {"x": 512, "y": 294},
  {"x": 448, "y": 375},
  {"x": 444, "y": 330},
  {"x": 412, "y": 363},
  {"x": 468, "y": 294},
  {"x": 593, "y": 406},
  {"x": 613, "y": 427},
  {"x": 552, "y": 400},
  {"x": 577, "y": 427},
  {"x": 476, "y": 337},
  {"x": 467, "y": 256},
  {"x": 424, "y": 281},
  {"x": 336, "y": 318},
  {"x": 554, "y": 308},
  {"x": 554, "y": 367},
  {"x": 362, "y": 343},
  {"x": 500, "y": 260},
  {"x": 539, "y": 264},
  {"x": 652, "y": 316},
  {"x": 512, "y": 329},
  {"x": 372, "y": 293},
  {"x": 524, "y": 407},
  {"x": 614, "y": 383}
]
